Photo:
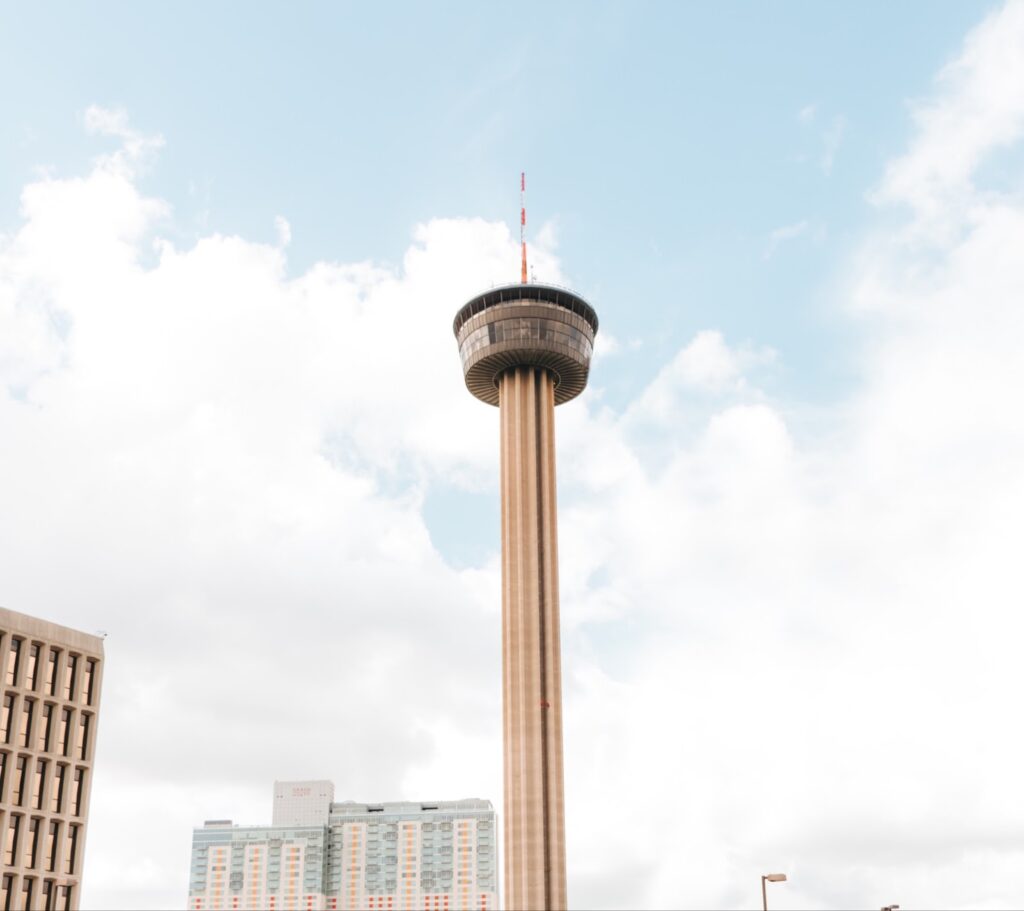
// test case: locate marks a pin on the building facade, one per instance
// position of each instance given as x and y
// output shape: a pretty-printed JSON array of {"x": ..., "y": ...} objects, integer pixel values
[
  {"x": 48, "y": 717},
  {"x": 250, "y": 867},
  {"x": 402, "y": 856}
]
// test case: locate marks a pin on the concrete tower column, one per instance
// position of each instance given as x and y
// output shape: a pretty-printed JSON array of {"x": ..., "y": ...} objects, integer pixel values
[
  {"x": 531, "y": 652},
  {"x": 526, "y": 348}
]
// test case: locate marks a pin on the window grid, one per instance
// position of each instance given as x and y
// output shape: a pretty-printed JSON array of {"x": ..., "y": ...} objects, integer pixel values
[
  {"x": 442, "y": 860},
  {"x": 48, "y": 702}
]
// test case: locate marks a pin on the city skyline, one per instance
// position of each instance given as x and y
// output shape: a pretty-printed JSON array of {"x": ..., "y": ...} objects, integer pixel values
[{"x": 234, "y": 433}]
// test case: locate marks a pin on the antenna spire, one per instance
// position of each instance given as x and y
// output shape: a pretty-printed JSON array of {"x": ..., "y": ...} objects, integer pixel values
[{"x": 522, "y": 220}]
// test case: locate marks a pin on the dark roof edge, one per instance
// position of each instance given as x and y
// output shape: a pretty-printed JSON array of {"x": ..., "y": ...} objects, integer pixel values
[{"x": 552, "y": 294}]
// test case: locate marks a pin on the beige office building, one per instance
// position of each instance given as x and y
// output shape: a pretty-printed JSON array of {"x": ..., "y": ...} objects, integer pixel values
[{"x": 51, "y": 697}]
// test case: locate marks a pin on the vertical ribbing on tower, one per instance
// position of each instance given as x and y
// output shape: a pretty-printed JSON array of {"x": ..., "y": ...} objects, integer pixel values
[{"x": 531, "y": 650}]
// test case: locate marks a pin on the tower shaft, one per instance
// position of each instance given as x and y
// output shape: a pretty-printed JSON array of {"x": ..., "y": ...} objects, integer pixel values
[
  {"x": 527, "y": 348},
  {"x": 531, "y": 648}
]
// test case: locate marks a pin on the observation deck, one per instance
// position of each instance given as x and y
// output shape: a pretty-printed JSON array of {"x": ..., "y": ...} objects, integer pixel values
[{"x": 526, "y": 325}]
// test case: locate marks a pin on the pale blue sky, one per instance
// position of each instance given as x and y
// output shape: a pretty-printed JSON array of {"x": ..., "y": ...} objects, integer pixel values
[
  {"x": 664, "y": 140},
  {"x": 789, "y": 502}
]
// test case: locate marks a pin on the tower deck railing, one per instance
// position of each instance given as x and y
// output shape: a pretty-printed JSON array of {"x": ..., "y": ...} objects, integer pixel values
[{"x": 573, "y": 300}]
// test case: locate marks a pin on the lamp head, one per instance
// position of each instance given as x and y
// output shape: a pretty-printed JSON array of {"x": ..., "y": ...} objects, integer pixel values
[{"x": 776, "y": 877}]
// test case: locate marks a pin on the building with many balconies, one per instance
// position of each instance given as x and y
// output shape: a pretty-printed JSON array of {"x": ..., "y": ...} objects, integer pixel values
[{"x": 319, "y": 854}]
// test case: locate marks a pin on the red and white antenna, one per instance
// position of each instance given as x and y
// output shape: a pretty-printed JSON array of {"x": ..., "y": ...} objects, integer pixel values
[{"x": 522, "y": 219}]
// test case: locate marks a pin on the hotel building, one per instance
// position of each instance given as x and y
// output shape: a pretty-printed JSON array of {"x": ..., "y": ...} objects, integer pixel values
[
  {"x": 319, "y": 854},
  {"x": 51, "y": 698}
]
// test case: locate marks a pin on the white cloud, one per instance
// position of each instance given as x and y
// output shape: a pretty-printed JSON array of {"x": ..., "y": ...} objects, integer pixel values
[
  {"x": 221, "y": 467},
  {"x": 832, "y": 139},
  {"x": 816, "y": 639},
  {"x": 605, "y": 345},
  {"x": 136, "y": 150},
  {"x": 284, "y": 231},
  {"x": 979, "y": 109},
  {"x": 784, "y": 648},
  {"x": 706, "y": 366},
  {"x": 783, "y": 233},
  {"x": 707, "y": 363}
]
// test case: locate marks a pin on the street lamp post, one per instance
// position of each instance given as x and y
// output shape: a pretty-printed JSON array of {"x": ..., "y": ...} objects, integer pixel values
[{"x": 770, "y": 878}]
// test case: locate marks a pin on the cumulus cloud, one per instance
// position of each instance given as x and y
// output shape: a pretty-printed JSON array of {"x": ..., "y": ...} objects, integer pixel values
[
  {"x": 605, "y": 345},
  {"x": 707, "y": 366},
  {"x": 223, "y": 467},
  {"x": 284, "y": 231},
  {"x": 979, "y": 108},
  {"x": 785, "y": 646},
  {"x": 136, "y": 150},
  {"x": 814, "y": 632}
]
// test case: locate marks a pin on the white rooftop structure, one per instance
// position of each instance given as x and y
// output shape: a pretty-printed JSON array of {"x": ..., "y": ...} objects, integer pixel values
[{"x": 302, "y": 803}]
